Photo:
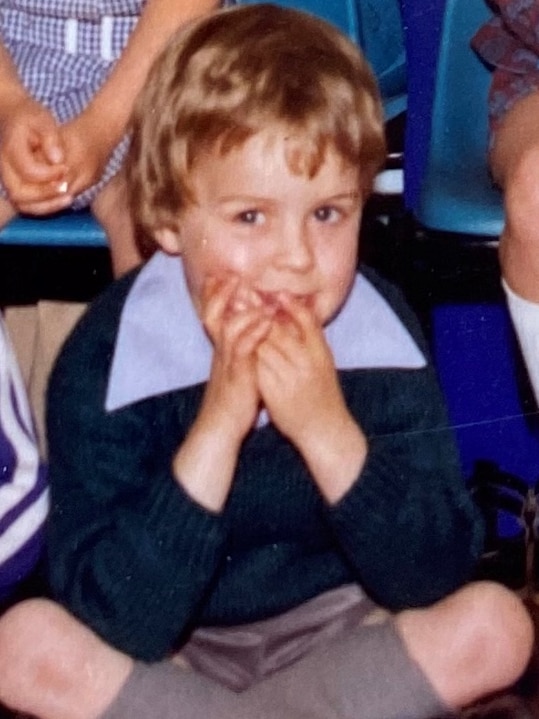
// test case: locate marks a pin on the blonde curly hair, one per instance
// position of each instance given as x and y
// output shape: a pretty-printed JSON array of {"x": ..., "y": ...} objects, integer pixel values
[{"x": 231, "y": 74}]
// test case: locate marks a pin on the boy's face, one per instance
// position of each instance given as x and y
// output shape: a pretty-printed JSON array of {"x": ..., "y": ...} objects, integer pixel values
[{"x": 276, "y": 230}]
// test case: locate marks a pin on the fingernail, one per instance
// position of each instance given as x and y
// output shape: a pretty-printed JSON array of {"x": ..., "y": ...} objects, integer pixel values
[{"x": 63, "y": 187}]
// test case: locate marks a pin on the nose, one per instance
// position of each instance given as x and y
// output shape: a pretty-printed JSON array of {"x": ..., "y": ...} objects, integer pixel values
[{"x": 295, "y": 247}]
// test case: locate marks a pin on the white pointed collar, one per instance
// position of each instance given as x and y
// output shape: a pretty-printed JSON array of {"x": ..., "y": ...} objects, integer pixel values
[{"x": 161, "y": 345}]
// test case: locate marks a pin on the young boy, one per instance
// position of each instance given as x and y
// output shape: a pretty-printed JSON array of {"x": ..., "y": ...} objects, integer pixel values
[{"x": 248, "y": 448}]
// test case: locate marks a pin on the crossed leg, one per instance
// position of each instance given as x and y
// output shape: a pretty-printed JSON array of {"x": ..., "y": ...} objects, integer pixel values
[{"x": 472, "y": 643}]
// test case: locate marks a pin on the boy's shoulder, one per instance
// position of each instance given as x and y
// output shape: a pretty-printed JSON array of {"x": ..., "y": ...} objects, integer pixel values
[{"x": 102, "y": 318}]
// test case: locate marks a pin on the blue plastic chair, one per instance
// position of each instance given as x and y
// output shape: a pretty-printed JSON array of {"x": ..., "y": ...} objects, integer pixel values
[
  {"x": 449, "y": 191},
  {"x": 456, "y": 192},
  {"x": 376, "y": 26},
  {"x": 64, "y": 229}
]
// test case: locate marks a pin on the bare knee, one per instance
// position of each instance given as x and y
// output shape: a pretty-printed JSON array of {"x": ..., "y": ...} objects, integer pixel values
[
  {"x": 29, "y": 633},
  {"x": 500, "y": 631},
  {"x": 53, "y": 667},
  {"x": 477, "y": 641}
]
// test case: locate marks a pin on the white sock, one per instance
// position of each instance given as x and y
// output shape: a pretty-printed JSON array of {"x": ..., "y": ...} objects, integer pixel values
[{"x": 525, "y": 318}]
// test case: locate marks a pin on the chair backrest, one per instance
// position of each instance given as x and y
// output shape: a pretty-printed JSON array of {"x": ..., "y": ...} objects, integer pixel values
[
  {"x": 342, "y": 13},
  {"x": 374, "y": 25},
  {"x": 381, "y": 36},
  {"x": 456, "y": 192}
]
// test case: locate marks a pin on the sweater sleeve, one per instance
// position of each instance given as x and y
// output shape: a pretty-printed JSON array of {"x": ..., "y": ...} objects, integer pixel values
[
  {"x": 130, "y": 554},
  {"x": 408, "y": 525}
]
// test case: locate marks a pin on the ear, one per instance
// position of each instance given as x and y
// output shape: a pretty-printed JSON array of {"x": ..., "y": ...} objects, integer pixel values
[{"x": 169, "y": 240}]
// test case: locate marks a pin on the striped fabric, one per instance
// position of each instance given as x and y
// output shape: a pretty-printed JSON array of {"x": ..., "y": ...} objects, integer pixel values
[{"x": 23, "y": 488}]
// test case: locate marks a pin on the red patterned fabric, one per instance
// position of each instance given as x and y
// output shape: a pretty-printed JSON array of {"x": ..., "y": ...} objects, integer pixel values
[{"x": 509, "y": 43}]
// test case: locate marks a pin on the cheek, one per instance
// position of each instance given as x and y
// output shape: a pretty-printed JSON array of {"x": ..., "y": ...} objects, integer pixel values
[
  {"x": 239, "y": 259},
  {"x": 339, "y": 273},
  {"x": 340, "y": 264}
]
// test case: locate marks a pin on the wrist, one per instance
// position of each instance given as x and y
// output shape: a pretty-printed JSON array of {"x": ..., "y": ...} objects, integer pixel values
[
  {"x": 105, "y": 135},
  {"x": 116, "y": 110},
  {"x": 11, "y": 99},
  {"x": 205, "y": 463},
  {"x": 335, "y": 452}
]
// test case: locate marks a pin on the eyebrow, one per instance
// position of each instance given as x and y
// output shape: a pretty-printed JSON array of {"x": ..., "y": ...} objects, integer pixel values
[
  {"x": 347, "y": 195},
  {"x": 351, "y": 195}
]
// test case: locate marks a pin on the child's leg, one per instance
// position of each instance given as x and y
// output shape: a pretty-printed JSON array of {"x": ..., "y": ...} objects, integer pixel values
[
  {"x": 514, "y": 161},
  {"x": 51, "y": 666},
  {"x": 111, "y": 210},
  {"x": 474, "y": 642},
  {"x": 54, "y": 668}
]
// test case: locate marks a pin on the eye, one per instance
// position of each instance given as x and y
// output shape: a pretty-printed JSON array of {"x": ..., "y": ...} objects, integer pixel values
[
  {"x": 327, "y": 213},
  {"x": 250, "y": 217}
]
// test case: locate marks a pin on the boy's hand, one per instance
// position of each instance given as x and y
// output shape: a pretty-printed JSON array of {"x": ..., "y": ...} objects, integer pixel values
[
  {"x": 300, "y": 389},
  {"x": 32, "y": 161},
  {"x": 236, "y": 321}
]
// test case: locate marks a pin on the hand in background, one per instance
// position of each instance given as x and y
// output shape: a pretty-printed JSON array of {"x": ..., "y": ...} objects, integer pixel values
[
  {"x": 32, "y": 159},
  {"x": 87, "y": 148}
]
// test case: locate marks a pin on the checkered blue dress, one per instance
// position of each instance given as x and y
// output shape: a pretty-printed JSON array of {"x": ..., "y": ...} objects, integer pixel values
[{"x": 64, "y": 51}]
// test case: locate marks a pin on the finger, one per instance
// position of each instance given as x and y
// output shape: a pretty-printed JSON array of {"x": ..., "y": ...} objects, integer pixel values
[
  {"x": 52, "y": 147},
  {"x": 300, "y": 313},
  {"x": 26, "y": 193},
  {"x": 245, "y": 298},
  {"x": 45, "y": 207},
  {"x": 238, "y": 324},
  {"x": 272, "y": 355},
  {"x": 28, "y": 168},
  {"x": 216, "y": 297},
  {"x": 284, "y": 339},
  {"x": 249, "y": 333}
]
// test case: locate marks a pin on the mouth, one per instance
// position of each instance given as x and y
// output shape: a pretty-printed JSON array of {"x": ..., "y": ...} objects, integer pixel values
[{"x": 271, "y": 299}]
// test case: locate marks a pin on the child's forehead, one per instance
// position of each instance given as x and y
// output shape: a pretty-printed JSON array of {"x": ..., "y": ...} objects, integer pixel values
[
  {"x": 267, "y": 167},
  {"x": 279, "y": 139}
]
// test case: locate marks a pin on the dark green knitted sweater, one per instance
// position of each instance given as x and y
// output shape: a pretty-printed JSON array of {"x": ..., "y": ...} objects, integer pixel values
[{"x": 142, "y": 564}]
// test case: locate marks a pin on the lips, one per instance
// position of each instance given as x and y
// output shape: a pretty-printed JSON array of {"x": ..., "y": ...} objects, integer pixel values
[{"x": 271, "y": 299}]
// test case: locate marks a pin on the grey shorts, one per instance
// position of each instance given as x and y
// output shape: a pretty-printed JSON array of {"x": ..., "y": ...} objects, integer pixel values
[{"x": 336, "y": 656}]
